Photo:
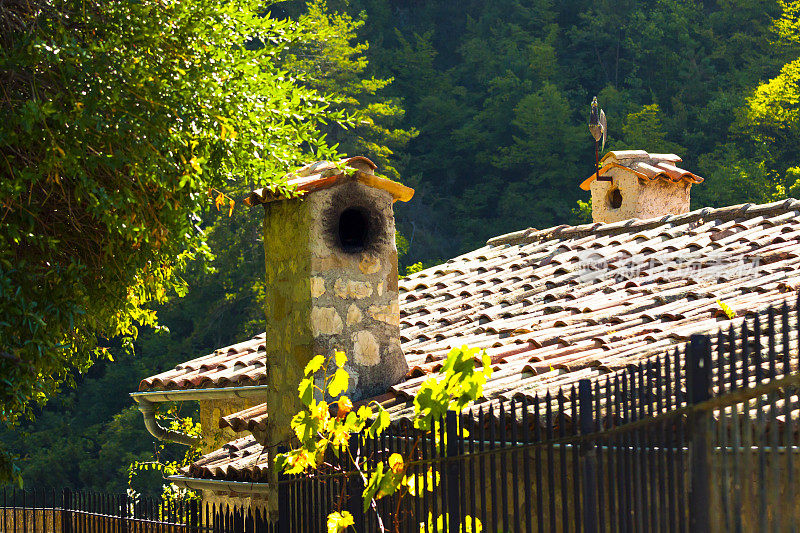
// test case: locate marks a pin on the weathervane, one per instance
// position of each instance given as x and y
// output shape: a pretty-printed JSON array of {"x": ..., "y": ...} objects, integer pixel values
[{"x": 599, "y": 130}]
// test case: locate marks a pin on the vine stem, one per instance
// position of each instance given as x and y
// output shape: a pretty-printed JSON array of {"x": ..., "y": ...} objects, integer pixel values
[
  {"x": 373, "y": 504},
  {"x": 403, "y": 493}
]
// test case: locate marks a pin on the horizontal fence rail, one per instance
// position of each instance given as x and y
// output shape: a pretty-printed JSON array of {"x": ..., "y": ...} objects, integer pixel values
[{"x": 702, "y": 438}]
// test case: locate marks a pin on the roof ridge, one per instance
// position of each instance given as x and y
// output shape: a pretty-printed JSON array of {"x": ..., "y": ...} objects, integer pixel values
[{"x": 566, "y": 231}]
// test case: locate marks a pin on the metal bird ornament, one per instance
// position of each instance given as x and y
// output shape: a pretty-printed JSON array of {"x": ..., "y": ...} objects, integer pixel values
[{"x": 599, "y": 130}]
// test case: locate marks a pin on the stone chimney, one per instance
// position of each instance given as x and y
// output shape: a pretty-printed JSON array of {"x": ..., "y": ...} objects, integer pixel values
[
  {"x": 636, "y": 184},
  {"x": 331, "y": 272}
]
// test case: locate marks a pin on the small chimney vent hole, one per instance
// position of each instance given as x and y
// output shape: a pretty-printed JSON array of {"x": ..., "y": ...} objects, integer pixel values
[
  {"x": 615, "y": 199},
  {"x": 353, "y": 230}
]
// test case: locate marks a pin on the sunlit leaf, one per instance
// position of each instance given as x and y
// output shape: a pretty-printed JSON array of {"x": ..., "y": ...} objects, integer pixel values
[
  {"x": 339, "y": 383},
  {"x": 344, "y": 406},
  {"x": 373, "y": 484},
  {"x": 364, "y": 412},
  {"x": 380, "y": 423},
  {"x": 306, "y": 390},
  {"x": 341, "y": 359},
  {"x": 338, "y": 522},
  {"x": 396, "y": 463},
  {"x": 314, "y": 365}
]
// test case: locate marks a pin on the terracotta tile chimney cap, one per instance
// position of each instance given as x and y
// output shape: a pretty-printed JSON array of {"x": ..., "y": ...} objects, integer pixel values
[
  {"x": 645, "y": 166},
  {"x": 325, "y": 174}
]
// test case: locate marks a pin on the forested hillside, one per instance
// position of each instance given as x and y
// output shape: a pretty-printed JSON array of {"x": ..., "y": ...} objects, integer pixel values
[
  {"x": 482, "y": 108},
  {"x": 499, "y": 93}
]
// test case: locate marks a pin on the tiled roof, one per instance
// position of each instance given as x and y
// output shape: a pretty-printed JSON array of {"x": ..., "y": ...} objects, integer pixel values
[
  {"x": 230, "y": 464},
  {"x": 252, "y": 419},
  {"x": 236, "y": 365},
  {"x": 239, "y": 460},
  {"x": 555, "y": 306},
  {"x": 325, "y": 174},
  {"x": 645, "y": 165},
  {"x": 547, "y": 320},
  {"x": 530, "y": 299}
]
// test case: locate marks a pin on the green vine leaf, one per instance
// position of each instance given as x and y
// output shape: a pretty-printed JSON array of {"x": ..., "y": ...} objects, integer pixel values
[
  {"x": 339, "y": 383},
  {"x": 314, "y": 365},
  {"x": 380, "y": 423},
  {"x": 338, "y": 522},
  {"x": 306, "y": 389},
  {"x": 305, "y": 426},
  {"x": 457, "y": 384},
  {"x": 374, "y": 483}
]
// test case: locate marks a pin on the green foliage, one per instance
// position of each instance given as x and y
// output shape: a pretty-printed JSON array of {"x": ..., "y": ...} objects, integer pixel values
[
  {"x": 645, "y": 128},
  {"x": 458, "y": 384},
  {"x": 768, "y": 145},
  {"x": 499, "y": 92},
  {"x": 773, "y": 108},
  {"x": 339, "y": 521},
  {"x": 419, "y": 266},
  {"x": 332, "y": 62},
  {"x": 86, "y": 437},
  {"x": 773, "y": 119},
  {"x": 163, "y": 463},
  {"x": 583, "y": 212},
  {"x": 736, "y": 179},
  {"x": 121, "y": 119}
]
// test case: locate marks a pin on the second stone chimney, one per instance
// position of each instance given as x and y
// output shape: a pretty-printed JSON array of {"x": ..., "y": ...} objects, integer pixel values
[
  {"x": 332, "y": 284},
  {"x": 636, "y": 184}
]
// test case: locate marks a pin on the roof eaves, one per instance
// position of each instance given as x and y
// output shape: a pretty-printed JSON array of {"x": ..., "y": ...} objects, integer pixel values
[
  {"x": 217, "y": 393},
  {"x": 586, "y": 184},
  {"x": 219, "y": 485}
]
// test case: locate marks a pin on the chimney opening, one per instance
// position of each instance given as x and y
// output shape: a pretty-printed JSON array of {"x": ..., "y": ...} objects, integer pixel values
[
  {"x": 615, "y": 198},
  {"x": 353, "y": 230}
]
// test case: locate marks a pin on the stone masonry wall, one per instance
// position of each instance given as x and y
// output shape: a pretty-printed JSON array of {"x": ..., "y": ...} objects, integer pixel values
[
  {"x": 658, "y": 198},
  {"x": 628, "y": 185},
  {"x": 355, "y": 295},
  {"x": 289, "y": 344},
  {"x": 641, "y": 199}
]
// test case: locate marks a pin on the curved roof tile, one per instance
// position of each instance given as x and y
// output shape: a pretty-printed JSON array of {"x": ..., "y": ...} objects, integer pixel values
[{"x": 645, "y": 166}]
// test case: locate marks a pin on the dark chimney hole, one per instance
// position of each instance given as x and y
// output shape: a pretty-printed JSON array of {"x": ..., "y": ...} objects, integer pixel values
[
  {"x": 615, "y": 199},
  {"x": 353, "y": 230}
]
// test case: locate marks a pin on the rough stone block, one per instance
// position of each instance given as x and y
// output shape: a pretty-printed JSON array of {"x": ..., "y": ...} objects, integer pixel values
[
  {"x": 365, "y": 348},
  {"x": 389, "y": 313},
  {"x": 317, "y": 287},
  {"x": 354, "y": 315},
  {"x": 369, "y": 264},
  {"x": 326, "y": 321},
  {"x": 347, "y": 289}
]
